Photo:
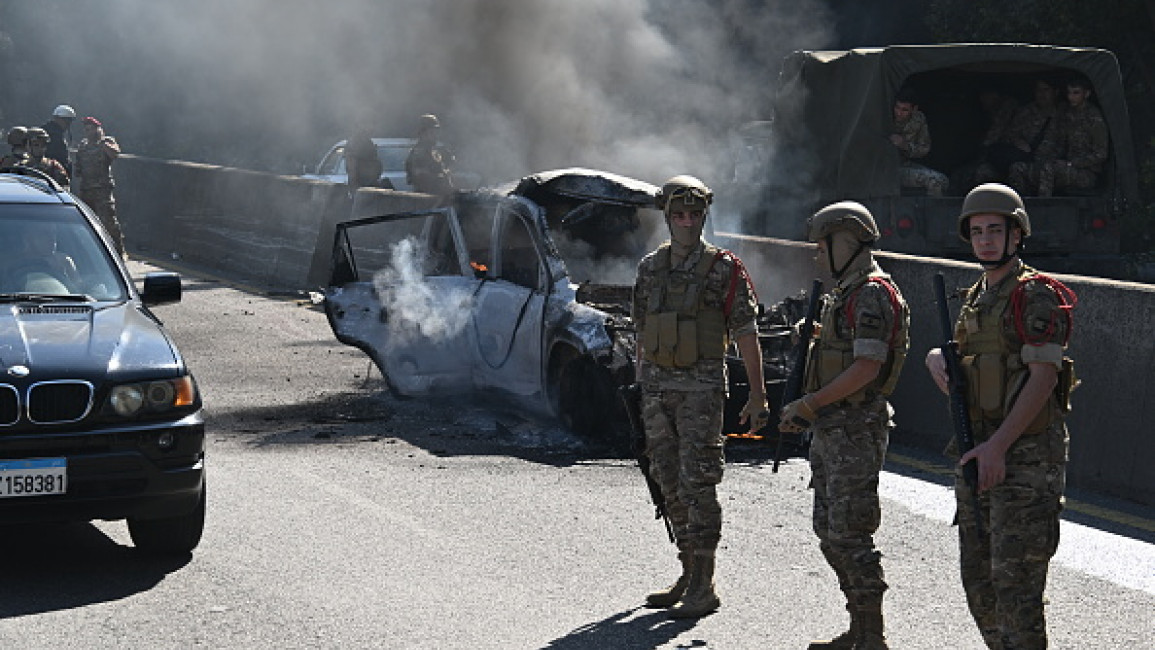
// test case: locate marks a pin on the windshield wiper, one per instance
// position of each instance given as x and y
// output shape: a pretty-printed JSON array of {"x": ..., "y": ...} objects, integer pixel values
[{"x": 45, "y": 297}]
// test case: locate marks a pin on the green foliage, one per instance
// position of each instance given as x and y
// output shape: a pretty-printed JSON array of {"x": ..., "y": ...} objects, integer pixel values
[{"x": 1055, "y": 22}]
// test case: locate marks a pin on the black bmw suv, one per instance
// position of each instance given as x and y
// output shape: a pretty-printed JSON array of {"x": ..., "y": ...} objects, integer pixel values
[{"x": 99, "y": 416}]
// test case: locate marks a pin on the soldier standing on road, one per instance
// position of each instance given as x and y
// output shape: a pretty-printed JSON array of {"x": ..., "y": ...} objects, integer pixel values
[
  {"x": 690, "y": 299},
  {"x": 427, "y": 167},
  {"x": 1012, "y": 330},
  {"x": 18, "y": 140},
  {"x": 94, "y": 171},
  {"x": 853, "y": 366},
  {"x": 38, "y": 159},
  {"x": 59, "y": 130}
]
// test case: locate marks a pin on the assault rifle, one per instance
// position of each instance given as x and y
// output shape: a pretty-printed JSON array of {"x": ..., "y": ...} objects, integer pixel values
[
  {"x": 963, "y": 432},
  {"x": 632, "y": 398},
  {"x": 793, "y": 388}
]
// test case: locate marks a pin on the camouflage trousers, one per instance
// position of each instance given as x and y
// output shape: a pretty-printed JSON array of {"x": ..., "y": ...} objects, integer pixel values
[
  {"x": 912, "y": 174},
  {"x": 1043, "y": 178},
  {"x": 846, "y": 457},
  {"x": 684, "y": 442},
  {"x": 103, "y": 204},
  {"x": 1004, "y": 571}
]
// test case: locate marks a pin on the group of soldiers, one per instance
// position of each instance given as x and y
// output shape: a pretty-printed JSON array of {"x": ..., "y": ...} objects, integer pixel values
[
  {"x": 1041, "y": 147},
  {"x": 691, "y": 299},
  {"x": 87, "y": 171}
]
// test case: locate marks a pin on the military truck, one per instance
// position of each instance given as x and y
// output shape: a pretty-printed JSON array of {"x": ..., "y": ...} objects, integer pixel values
[{"x": 832, "y": 115}]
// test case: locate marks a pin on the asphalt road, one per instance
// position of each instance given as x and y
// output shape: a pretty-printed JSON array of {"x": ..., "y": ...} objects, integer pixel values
[{"x": 340, "y": 517}]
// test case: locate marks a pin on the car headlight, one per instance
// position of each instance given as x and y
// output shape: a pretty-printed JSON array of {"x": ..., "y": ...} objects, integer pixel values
[{"x": 129, "y": 400}]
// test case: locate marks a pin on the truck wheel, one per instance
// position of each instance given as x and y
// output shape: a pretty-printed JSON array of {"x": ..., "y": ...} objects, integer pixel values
[{"x": 170, "y": 535}]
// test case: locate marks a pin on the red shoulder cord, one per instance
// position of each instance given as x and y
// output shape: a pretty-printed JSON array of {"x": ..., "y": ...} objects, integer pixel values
[
  {"x": 891, "y": 293},
  {"x": 1067, "y": 302},
  {"x": 737, "y": 270}
]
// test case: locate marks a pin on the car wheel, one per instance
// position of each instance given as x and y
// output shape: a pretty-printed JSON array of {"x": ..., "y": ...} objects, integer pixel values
[
  {"x": 169, "y": 535},
  {"x": 588, "y": 404}
]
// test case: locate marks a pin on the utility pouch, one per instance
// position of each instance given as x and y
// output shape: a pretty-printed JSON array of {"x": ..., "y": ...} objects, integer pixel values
[
  {"x": 659, "y": 337},
  {"x": 989, "y": 369},
  {"x": 686, "y": 349},
  {"x": 830, "y": 365}
]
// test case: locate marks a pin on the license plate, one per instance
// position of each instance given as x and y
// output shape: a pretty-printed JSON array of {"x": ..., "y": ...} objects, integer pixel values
[{"x": 35, "y": 477}]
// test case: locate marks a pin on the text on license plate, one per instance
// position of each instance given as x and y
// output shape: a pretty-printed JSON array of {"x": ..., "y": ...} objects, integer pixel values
[{"x": 26, "y": 478}]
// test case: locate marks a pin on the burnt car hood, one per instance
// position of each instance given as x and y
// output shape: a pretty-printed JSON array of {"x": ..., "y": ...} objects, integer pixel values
[
  {"x": 587, "y": 185},
  {"x": 92, "y": 341}
]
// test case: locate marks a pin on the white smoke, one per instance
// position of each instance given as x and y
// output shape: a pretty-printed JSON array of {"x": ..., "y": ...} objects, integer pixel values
[{"x": 415, "y": 308}]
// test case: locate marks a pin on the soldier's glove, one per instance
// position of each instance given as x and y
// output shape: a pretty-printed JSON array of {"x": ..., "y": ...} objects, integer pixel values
[
  {"x": 756, "y": 412},
  {"x": 797, "y": 416}
]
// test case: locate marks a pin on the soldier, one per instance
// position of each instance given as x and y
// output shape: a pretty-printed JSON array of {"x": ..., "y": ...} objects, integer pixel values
[
  {"x": 911, "y": 137},
  {"x": 1027, "y": 133},
  {"x": 427, "y": 167},
  {"x": 690, "y": 299},
  {"x": 1014, "y": 325},
  {"x": 853, "y": 366},
  {"x": 18, "y": 139},
  {"x": 59, "y": 130},
  {"x": 1080, "y": 143},
  {"x": 37, "y": 159},
  {"x": 94, "y": 159}
]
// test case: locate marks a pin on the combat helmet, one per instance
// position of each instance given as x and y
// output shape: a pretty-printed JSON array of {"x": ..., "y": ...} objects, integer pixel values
[
  {"x": 844, "y": 215},
  {"x": 684, "y": 191},
  {"x": 428, "y": 121},
  {"x": 993, "y": 198},
  {"x": 64, "y": 110},
  {"x": 38, "y": 134},
  {"x": 18, "y": 136}
]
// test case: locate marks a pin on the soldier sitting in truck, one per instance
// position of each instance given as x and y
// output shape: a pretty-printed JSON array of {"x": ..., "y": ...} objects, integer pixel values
[{"x": 910, "y": 135}]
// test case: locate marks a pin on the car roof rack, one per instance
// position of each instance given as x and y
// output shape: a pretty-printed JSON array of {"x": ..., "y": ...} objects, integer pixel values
[{"x": 21, "y": 170}]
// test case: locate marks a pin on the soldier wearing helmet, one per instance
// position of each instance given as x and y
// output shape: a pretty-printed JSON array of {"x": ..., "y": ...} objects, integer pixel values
[
  {"x": 690, "y": 300},
  {"x": 59, "y": 129},
  {"x": 94, "y": 182},
  {"x": 853, "y": 365},
  {"x": 38, "y": 141},
  {"x": 18, "y": 140},
  {"x": 1014, "y": 325},
  {"x": 428, "y": 166}
]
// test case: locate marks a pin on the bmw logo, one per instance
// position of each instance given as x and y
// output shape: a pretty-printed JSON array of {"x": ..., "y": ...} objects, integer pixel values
[{"x": 19, "y": 371}]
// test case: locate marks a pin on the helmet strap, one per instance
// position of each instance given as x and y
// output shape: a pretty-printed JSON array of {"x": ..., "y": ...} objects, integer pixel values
[
  {"x": 1008, "y": 254},
  {"x": 838, "y": 273}
]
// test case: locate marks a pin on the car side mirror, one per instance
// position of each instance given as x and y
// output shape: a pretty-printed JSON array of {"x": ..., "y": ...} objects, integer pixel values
[{"x": 161, "y": 288}]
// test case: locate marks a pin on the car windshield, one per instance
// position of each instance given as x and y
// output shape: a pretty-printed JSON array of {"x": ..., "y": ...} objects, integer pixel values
[{"x": 52, "y": 251}]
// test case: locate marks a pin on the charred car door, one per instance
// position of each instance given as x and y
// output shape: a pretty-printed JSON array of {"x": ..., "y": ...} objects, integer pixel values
[
  {"x": 509, "y": 306},
  {"x": 402, "y": 288}
]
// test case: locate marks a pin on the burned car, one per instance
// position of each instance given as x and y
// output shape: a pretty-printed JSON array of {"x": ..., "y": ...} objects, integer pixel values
[{"x": 523, "y": 289}]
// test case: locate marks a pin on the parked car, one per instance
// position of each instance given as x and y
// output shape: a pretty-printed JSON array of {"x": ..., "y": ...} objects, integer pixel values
[
  {"x": 392, "y": 153},
  {"x": 100, "y": 417},
  {"x": 523, "y": 289}
]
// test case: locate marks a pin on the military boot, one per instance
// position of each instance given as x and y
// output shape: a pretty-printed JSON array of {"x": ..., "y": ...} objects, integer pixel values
[
  {"x": 870, "y": 625},
  {"x": 671, "y": 595},
  {"x": 700, "y": 598},
  {"x": 844, "y": 641}
]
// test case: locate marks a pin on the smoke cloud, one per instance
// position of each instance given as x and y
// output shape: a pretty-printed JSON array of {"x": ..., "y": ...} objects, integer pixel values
[
  {"x": 646, "y": 88},
  {"x": 415, "y": 308}
]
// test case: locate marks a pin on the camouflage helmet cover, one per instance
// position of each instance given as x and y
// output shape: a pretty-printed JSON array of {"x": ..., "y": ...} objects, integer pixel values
[
  {"x": 38, "y": 134},
  {"x": 850, "y": 216},
  {"x": 18, "y": 136},
  {"x": 685, "y": 192},
  {"x": 993, "y": 198}
]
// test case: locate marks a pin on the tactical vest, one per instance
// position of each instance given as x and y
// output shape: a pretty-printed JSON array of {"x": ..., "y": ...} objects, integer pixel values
[
  {"x": 681, "y": 329},
  {"x": 831, "y": 355},
  {"x": 993, "y": 364}
]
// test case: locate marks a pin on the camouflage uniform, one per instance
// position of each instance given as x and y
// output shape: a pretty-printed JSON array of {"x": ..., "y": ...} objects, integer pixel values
[
  {"x": 1004, "y": 571},
  {"x": 14, "y": 159},
  {"x": 1030, "y": 127},
  {"x": 51, "y": 167},
  {"x": 1077, "y": 152},
  {"x": 683, "y": 406},
  {"x": 861, "y": 319},
  {"x": 94, "y": 172},
  {"x": 916, "y": 137},
  {"x": 427, "y": 169}
]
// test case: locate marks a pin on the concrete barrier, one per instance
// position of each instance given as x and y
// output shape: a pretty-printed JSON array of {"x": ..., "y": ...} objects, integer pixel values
[
  {"x": 1111, "y": 450},
  {"x": 276, "y": 232}
]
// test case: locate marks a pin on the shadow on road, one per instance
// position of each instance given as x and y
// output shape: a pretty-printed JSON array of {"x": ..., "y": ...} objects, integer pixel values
[
  {"x": 54, "y": 567},
  {"x": 651, "y": 629}
]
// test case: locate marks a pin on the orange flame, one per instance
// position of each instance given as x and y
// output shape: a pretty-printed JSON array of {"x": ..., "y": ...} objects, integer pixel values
[{"x": 479, "y": 267}]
